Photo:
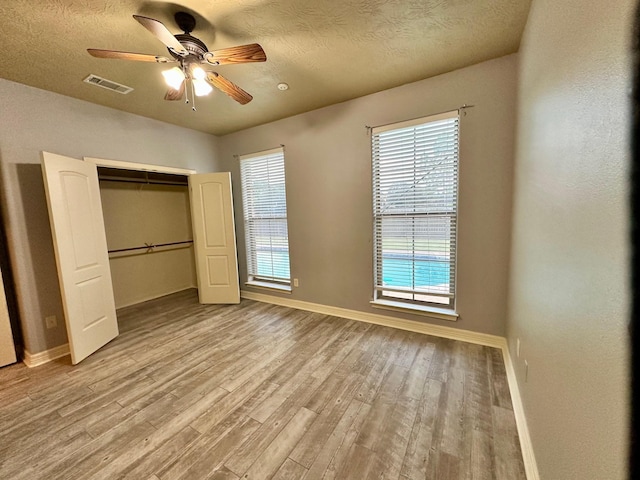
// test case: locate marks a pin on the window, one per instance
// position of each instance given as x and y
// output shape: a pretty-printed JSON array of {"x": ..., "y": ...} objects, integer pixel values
[
  {"x": 415, "y": 191},
  {"x": 265, "y": 218}
]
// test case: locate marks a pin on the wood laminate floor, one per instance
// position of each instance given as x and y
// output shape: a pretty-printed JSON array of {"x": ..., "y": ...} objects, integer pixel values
[{"x": 257, "y": 391}]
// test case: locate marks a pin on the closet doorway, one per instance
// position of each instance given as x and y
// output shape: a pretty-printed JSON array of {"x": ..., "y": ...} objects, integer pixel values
[
  {"x": 147, "y": 222},
  {"x": 80, "y": 239}
]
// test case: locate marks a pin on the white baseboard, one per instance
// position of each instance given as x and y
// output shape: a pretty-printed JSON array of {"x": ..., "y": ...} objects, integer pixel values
[
  {"x": 34, "y": 359},
  {"x": 384, "y": 320},
  {"x": 494, "y": 341},
  {"x": 528, "y": 457}
]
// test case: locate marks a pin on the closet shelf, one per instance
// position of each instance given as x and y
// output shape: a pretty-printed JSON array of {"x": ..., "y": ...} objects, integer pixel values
[{"x": 106, "y": 174}]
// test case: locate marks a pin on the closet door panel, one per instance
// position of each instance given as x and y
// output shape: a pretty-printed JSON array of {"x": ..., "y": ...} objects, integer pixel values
[
  {"x": 218, "y": 270},
  {"x": 7, "y": 348},
  {"x": 77, "y": 227},
  {"x": 214, "y": 238}
]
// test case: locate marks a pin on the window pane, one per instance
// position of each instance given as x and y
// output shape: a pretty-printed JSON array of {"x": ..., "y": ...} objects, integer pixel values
[
  {"x": 265, "y": 214},
  {"x": 416, "y": 253},
  {"x": 271, "y": 247},
  {"x": 415, "y": 181}
]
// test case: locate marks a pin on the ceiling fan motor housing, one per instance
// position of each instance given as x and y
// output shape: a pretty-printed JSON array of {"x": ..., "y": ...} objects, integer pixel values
[
  {"x": 193, "y": 45},
  {"x": 186, "y": 22}
]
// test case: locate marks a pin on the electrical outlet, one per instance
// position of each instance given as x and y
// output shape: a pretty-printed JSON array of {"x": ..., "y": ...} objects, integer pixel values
[
  {"x": 296, "y": 283},
  {"x": 518, "y": 348},
  {"x": 51, "y": 321},
  {"x": 526, "y": 371}
]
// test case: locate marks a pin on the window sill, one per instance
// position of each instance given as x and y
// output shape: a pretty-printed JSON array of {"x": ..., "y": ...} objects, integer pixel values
[
  {"x": 427, "y": 311},
  {"x": 270, "y": 286}
]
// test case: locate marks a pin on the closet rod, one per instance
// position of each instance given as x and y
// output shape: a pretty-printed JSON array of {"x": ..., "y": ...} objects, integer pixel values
[{"x": 151, "y": 246}]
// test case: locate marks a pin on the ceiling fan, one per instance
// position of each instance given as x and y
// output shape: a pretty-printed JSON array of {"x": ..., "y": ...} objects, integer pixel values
[{"x": 190, "y": 53}]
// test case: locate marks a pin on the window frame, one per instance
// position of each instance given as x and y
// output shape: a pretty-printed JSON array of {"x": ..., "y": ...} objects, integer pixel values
[
  {"x": 254, "y": 278},
  {"x": 382, "y": 294}
]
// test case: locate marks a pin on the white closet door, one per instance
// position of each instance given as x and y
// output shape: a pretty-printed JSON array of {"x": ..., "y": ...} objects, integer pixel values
[
  {"x": 7, "y": 348},
  {"x": 214, "y": 238},
  {"x": 80, "y": 244}
]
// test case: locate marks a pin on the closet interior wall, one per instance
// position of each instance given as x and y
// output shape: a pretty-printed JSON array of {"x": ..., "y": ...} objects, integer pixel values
[{"x": 139, "y": 211}]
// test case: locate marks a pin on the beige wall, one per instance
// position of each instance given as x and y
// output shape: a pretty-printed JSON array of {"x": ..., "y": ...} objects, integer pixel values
[
  {"x": 328, "y": 178},
  {"x": 138, "y": 214},
  {"x": 32, "y": 120},
  {"x": 569, "y": 276}
]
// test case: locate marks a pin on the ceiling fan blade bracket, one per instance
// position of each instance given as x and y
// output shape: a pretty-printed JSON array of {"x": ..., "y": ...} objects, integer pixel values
[
  {"x": 182, "y": 54},
  {"x": 210, "y": 59}
]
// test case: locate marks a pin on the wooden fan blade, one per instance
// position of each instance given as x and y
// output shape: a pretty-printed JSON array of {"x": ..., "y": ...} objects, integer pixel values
[
  {"x": 228, "y": 87},
  {"x": 162, "y": 33},
  {"x": 175, "y": 94},
  {"x": 240, "y": 54},
  {"x": 138, "y": 57}
]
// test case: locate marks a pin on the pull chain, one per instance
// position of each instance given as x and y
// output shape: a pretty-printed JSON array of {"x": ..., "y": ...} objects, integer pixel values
[{"x": 193, "y": 96}]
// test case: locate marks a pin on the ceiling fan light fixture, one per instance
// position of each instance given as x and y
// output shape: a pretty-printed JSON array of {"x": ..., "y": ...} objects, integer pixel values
[
  {"x": 198, "y": 73},
  {"x": 201, "y": 87},
  {"x": 174, "y": 77}
]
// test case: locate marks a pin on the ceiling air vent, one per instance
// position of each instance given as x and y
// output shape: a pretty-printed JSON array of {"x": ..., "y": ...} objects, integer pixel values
[{"x": 108, "y": 84}]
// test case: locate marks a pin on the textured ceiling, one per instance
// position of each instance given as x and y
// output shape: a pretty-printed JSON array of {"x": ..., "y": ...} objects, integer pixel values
[{"x": 328, "y": 51}]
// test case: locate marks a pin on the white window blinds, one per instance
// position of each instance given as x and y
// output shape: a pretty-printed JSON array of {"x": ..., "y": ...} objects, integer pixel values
[
  {"x": 265, "y": 216},
  {"x": 415, "y": 191}
]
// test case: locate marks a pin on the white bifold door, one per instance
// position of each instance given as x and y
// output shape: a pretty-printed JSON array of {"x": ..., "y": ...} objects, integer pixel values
[
  {"x": 214, "y": 237},
  {"x": 82, "y": 259}
]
